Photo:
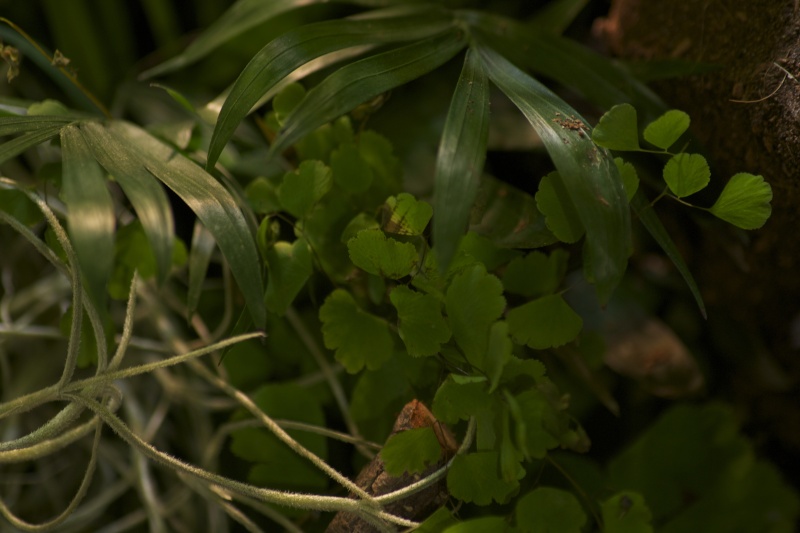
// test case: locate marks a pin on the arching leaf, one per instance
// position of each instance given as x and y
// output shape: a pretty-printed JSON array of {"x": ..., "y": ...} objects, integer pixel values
[
  {"x": 358, "y": 82},
  {"x": 127, "y": 167},
  {"x": 459, "y": 164},
  {"x": 299, "y": 46},
  {"x": 90, "y": 212},
  {"x": 589, "y": 173}
]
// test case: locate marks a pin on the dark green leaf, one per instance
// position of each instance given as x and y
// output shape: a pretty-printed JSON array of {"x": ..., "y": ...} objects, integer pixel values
[
  {"x": 301, "y": 45},
  {"x": 420, "y": 322},
  {"x": 650, "y": 221},
  {"x": 350, "y": 170},
  {"x": 262, "y": 195},
  {"x": 360, "y": 222},
  {"x": 438, "y": 522},
  {"x": 474, "y": 300},
  {"x": 556, "y": 16},
  {"x": 371, "y": 251},
  {"x": 630, "y": 180},
  {"x": 210, "y": 201},
  {"x": 359, "y": 338},
  {"x": 666, "y": 129},
  {"x": 601, "y": 81},
  {"x": 626, "y": 512},
  {"x": 287, "y": 100},
  {"x": 407, "y": 215},
  {"x": 276, "y": 464},
  {"x": 289, "y": 269},
  {"x": 475, "y": 248},
  {"x": 90, "y": 212},
  {"x": 475, "y": 478},
  {"x": 544, "y": 323},
  {"x": 536, "y": 420},
  {"x": 508, "y": 216},
  {"x": 555, "y": 203},
  {"x": 304, "y": 187},
  {"x": 16, "y": 124},
  {"x": 549, "y": 509},
  {"x": 498, "y": 353},
  {"x": 242, "y": 16},
  {"x": 126, "y": 164},
  {"x": 744, "y": 202},
  {"x": 132, "y": 251},
  {"x": 459, "y": 164},
  {"x": 686, "y": 174},
  {"x": 358, "y": 82},
  {"x": 495, "y": 524},
  {"x": 16, "y": 146},
  {"x": 536, "y": 274},
  {"x": 179, "y": 98},
  {"x": 410, "y": 451},
  {"x": 589, "y": 174},
  {"x": 458, "y": 401},
  {"x": 617, "y": 129}
]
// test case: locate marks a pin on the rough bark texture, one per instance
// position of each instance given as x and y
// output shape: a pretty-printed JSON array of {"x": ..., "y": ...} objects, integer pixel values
[
  {"x": 376, "y": 481},
  {"x": 756, "y": 282}
]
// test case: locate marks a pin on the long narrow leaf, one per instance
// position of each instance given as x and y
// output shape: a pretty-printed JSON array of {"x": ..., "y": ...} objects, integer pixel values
[
  {"x": 125, "y": 163},
  {"x": 242, "y": 16},
  {"x": 589, "y": 173},
  {"x": 210, "y": 112},
  {"x": 297, "y": 47},
  {"x": 213, "y": 205},
  {"x": 358, "y": 82},
  {"x": 90, "y": 212},
  {"x": 199, "y": 257},
  {"x": 650, "y": 221},
  {"x": 599, "y": 80},
  {"x": 16, "y": 146},
  {"x": 556, "y": 16},
  {"x": 459, "y": 164},
  {"x": 25, "y": 123}
]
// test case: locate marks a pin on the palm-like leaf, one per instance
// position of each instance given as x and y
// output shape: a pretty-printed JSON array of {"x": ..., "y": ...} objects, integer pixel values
[
  {"x": 242, "y": 16},
  {"x": 358, "y": 82},
  {"x": 298, "y": 47},
  {"x": 137, "y": 162}
]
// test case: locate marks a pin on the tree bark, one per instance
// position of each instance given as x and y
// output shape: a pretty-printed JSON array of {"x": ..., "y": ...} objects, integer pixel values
[{"x": 747, "y": 115}]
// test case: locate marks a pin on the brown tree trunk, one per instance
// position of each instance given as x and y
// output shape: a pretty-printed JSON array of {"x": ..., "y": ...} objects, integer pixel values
[{"x": 747, "y": 115}]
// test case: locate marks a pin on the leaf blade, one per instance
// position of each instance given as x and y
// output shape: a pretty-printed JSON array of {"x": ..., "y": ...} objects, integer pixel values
[
  {"x": 90, "y": 212},
  {"x": 300, "y": 46},
  {"x": 459, "y": 163},
  {"x": 145, "y": 194},
  {"x": 744, "y": 202},
  {"x": 16, "y": 146},
  {"x": 590, "y": 175},
  {"x": 666, "y": 129},
  {"x": 647, "y": 216},
  {"x": 213, "y": 205},
  {"x": 362, "y": 80}
]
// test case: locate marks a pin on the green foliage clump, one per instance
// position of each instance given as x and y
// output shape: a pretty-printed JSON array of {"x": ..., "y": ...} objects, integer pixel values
[{"x": 354, "y": 296}]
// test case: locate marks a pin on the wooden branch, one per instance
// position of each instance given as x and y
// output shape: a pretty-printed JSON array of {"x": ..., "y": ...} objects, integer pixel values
[{"x": 374, "y": 480}]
